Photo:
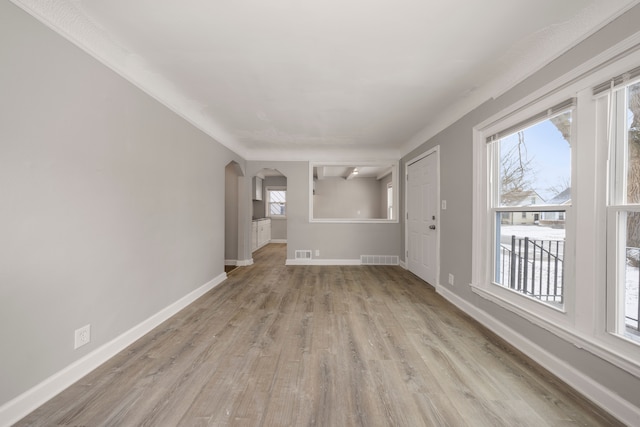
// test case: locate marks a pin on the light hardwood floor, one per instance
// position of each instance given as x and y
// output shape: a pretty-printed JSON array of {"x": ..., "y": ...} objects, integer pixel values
[{"x": 319, "y": 346}]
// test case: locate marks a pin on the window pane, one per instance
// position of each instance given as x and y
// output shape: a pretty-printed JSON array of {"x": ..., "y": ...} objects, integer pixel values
[
  {"x": 277, "y": 196},
  {"x": 277, "y": 209},
  {"x": 630, "y": 276},
  {"x": 535, "y": 164},
  {"x": 530, "y": 253},
  {"x": 632, "y": 159}
]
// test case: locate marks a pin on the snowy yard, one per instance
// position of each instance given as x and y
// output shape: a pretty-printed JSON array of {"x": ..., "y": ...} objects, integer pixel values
[
  {"x": 542, "y": 269},
  {"x": 631, "y": 296}
]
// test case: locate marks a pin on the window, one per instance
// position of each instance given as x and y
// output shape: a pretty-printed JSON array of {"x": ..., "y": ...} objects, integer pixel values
[
  {"x": 347, "y": 192},
  {"x": 623, "y": 213},
  {"x": 389, "y": 201},
  {"x": 530, "y": 187},
  {"x": 556, "y": 220},
  {"x": 276, "y": 202}
]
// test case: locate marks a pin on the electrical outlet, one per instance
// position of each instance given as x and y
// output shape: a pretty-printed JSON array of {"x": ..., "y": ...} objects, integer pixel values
[
  {"x": 451, "y": 279},
  {"x": 317, "y": 252},
  {"x": 444, "y": 205},
  {"x": 82, "y": 336}
]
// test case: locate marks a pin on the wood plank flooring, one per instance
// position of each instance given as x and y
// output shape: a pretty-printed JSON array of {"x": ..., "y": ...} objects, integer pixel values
[{"x": 319, "y": 346}]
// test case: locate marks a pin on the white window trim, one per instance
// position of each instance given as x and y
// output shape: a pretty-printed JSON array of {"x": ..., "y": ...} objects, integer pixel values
[
  {"x": 268, "y": 201},
  {"x": 615, "y": 300},
  {"x": 583, "y": 321},
  {"x": 394, "y": 171},
  {"x": 390, "y": 207}
]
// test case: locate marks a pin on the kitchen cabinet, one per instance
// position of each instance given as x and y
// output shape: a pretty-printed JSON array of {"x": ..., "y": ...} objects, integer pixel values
[
  {"x": 254, "y": 235},
  {"x": 256, "y": 188},
  {"x": 260, "y": 233}
]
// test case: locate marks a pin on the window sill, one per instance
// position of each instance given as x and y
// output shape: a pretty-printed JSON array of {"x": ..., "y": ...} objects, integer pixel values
[
  {"x": 354, "y": 220},
  {"x": 558, "y": 325}
]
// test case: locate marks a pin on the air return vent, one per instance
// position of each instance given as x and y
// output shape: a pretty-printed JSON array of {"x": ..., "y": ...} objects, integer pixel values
[
  {"x": 303, "y": 254},
  {"x": 379, "y": 260}
]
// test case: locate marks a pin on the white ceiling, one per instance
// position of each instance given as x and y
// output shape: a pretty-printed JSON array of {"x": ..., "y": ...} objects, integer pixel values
[{"x": 296, "y": 79}]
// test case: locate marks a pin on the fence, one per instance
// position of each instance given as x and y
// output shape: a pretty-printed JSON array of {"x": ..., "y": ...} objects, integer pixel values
[
  {"x": 533, "y": 267},
  {"x": 632, "y": 312}
]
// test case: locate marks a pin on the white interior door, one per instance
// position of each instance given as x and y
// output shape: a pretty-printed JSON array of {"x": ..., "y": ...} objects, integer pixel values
[{"x": 422, "y": 209}]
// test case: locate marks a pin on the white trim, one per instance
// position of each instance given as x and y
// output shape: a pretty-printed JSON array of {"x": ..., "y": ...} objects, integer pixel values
[
  {"x": 278, "y": 241},
  {"x": 22, "y": 405},
  {"x": 323, "y": 262},
  {"x": 230, "y": 262},
  {"x": 584, "y": 323},
  {"x": 353, "y": 221},
  {"x": 244, "y": 262},
  {"x": 571, "y": 336},
  {"x": 402, "y": 264},
  {"x": 395, "y": 181},
  {"x": 592, "y": 390}
]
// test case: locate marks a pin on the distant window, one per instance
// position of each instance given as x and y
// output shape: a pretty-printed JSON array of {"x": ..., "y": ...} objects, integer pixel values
[
  {"x": 389, "y": 201},
  {"x": 276, "y": 202}
]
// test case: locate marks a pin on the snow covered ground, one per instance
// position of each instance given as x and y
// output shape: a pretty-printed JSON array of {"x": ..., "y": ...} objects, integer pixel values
[
  {"x": 631, "y": 296},
  {"x": 543, "y": 260},
  {"x": 535, "y": 232}
]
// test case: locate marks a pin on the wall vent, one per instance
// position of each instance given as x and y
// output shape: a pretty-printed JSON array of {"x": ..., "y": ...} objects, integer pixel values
[
  {"x": 304, "y": 254},
  {"x": 379, "y": 260}
]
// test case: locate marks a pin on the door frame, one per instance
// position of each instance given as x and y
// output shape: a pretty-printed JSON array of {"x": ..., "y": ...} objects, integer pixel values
[{"x": 436, "y": 151}]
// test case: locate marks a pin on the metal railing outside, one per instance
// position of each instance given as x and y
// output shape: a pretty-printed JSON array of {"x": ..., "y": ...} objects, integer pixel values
[
  {"x": 632, "y": 280},
  {"x": 533, "y": 267}
]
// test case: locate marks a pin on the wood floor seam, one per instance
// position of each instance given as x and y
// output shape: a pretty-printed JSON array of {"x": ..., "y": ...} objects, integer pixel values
[{"x": 278, "y": 345}]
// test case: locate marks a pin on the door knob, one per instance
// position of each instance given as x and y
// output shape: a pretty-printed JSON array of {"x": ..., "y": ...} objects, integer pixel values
[{"x": 432, "y": 227}]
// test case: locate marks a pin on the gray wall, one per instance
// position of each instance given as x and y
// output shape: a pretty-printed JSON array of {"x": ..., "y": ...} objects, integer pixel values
[
  {"x": 231, "y": 214},
  {"x": 278, "y": 229},
  {"x": 353, "y": 198},
  {"x": 111, "y": 205},
  {"x": 335, "y": 241},
  {"x": 456, "y": 222}
]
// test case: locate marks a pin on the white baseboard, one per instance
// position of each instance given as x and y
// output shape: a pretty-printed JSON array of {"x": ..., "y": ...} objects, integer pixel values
[
  {"x": 323, "y": 262},
  {"x": 278, "y": 241},
  {"x": 403, "y": 264},
  {"x": 22, "y": 405},
  {"x": 592, "y": 390},
  {"x": 230, "y": 262},
  {"x": 244, "y": 262}
]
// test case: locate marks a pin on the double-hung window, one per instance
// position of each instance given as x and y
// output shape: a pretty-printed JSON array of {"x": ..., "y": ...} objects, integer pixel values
[
  {"x": 529, "y": 189},
  {"x": 623, "y": 211},
  {"x": 556, "y": 219},
  {"x": 276, "y": 202}
]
